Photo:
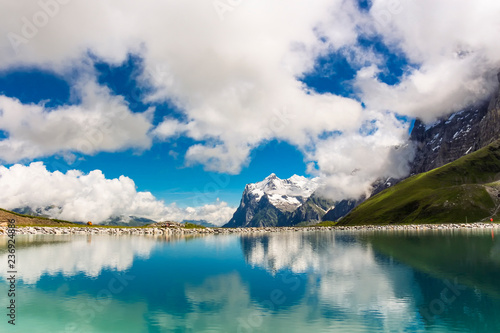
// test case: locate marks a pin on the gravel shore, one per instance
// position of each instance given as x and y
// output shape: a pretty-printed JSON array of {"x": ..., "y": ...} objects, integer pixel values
[{"x": 184, "y": 231}]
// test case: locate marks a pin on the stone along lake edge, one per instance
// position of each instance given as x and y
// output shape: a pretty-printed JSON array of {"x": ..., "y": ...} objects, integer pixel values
[{"x": 157, "y": 230}]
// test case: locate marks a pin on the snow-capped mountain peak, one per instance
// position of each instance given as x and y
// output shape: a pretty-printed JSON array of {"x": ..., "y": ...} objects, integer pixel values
[
  {"x": 279, "y": 202},
  {"x": 285, "y": 194}
]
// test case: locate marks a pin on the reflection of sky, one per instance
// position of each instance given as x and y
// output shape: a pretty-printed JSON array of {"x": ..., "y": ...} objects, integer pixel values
[{"x": 74, "y": 255}]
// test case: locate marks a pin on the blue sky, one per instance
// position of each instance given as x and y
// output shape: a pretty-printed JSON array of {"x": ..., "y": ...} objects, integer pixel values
[{"x": 191, "y": 102}]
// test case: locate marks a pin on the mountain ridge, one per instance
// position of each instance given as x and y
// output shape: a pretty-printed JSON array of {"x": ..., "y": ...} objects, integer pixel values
[
  {"x": 466, "y": 190},
  {"x": 280, "y": 202}
]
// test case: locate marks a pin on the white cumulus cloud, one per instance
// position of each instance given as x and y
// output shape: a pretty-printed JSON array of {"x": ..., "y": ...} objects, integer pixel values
[
  {"x": 102, "y": 122},
  {"x": 452, "y": 46},
  {"x": 76, "y": 196},
  {"x": 349, "y": 164}
]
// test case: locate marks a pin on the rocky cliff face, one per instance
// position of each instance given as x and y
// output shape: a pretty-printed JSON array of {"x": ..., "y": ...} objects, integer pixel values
[
  {"x": 280, "y": 202},
  {"x": 341, "y": 209},
  {"x": 457, "y": 135},
  {"x": 312, "y": 210},
  {"x": 490, "y": 124},
  {"x": 447, "y": 139}
]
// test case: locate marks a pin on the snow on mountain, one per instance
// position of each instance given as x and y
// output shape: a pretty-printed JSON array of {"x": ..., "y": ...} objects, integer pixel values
[
  {"x": 284, "y": 194},
  {"x": 280, "y": 202}
]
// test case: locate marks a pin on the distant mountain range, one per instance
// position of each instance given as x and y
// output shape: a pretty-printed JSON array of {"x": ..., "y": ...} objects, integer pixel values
[
  {"x": 112, "y": 221},
  {"x": 203, "y": 223},
  {"x": 135, "y": 221},
  {"x": 127, "y": 221},
  {"x": 277, "y": 202}
]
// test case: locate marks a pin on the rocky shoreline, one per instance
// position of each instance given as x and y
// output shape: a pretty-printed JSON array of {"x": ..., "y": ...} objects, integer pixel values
[{"x": 184, "y": 231}]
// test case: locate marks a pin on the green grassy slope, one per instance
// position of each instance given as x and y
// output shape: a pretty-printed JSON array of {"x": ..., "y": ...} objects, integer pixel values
[
  {"x": 28, "y": 220},
  {"x": 464, "y": 190}
]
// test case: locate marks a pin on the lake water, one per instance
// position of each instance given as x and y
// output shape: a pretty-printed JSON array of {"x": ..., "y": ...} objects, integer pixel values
[{"x": 445, "y": 281}]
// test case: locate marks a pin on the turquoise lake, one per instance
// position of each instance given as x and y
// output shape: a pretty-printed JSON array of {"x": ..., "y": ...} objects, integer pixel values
[{"x": 327, "y": 281}]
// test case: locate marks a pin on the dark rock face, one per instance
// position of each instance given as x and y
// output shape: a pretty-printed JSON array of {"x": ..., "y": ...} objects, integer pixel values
[
  {"x": 490, "y": 124},
  {"x": 312, "y": 210},
  {"x": 246, "y": 211},
  {"x": 455, "y": 136},
  {"x": 341, "y": 209},
  {"x": 448, "y": 139}
]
